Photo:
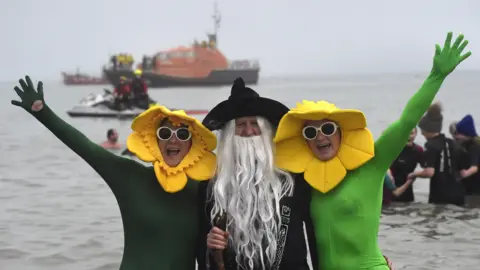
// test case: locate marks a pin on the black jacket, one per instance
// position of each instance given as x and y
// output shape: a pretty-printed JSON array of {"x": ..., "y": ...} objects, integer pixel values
[{"x": 295, "y": 212}]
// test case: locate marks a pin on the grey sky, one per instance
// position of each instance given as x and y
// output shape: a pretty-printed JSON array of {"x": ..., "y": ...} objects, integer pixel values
[{"x": 45, "y": 37}]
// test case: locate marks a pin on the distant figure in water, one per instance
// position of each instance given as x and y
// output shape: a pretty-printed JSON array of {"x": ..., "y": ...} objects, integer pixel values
[{"x": 112, "y": 140}]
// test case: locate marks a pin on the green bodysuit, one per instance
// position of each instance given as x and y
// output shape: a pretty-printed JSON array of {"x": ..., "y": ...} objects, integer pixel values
[
  {"x": 160, "y": 228},
  {"x": 346, "y": 219}
]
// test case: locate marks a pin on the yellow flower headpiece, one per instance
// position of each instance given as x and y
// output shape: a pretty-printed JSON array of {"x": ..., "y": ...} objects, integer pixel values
[
  {"x": 294, "y": 155},
  {"x": 200, "y": 162}
]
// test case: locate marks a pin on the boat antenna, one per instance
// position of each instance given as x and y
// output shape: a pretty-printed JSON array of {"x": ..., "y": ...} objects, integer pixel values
[{"x": 217, "y": 18}]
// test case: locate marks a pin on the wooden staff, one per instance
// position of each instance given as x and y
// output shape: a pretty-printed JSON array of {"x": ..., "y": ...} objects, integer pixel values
[{"x": 221, "y": 223}]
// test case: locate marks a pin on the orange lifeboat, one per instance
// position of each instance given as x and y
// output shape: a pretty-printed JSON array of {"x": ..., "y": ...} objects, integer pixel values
[{"x": 201, "y": 64}]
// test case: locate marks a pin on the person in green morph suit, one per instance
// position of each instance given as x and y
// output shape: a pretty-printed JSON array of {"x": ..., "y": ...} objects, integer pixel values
[
  {"x": 338, "y": 157},
  {"x": 158, "y": 204}
]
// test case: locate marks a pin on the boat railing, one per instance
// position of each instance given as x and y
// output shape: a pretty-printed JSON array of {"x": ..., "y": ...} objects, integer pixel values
[{"x": 243, "y": 64}]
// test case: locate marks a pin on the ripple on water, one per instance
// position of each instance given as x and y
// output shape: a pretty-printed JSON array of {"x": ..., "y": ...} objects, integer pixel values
[
  {"x": 15, "y": 181},
  {"x": 423, "y": 236},
  {"x": 108, "y": 266},
  {"x": 90, "y": 243},
  {"x": 5, "y": 197},
  {"x": 11, "y": 253},
  {"x": 53, "y": 259}
]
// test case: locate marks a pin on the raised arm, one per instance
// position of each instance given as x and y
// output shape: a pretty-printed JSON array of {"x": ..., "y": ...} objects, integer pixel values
[
  {"x": 106, "y": 164},
  {"x": 392, "y": 141}
]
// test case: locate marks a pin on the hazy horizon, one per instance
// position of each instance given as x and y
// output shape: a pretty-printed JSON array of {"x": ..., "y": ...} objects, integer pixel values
[{"x": 45, "y": 38}]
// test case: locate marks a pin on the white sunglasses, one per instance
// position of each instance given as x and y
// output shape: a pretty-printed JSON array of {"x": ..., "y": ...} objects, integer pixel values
[{"x": 326, "y": 129}]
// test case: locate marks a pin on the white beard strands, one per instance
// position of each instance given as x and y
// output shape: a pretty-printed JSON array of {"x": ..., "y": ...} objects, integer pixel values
[{"x": 248, "y": 186}]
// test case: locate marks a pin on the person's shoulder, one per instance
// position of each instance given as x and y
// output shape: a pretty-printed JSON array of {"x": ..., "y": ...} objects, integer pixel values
[
  {"x": 476, "y": 145},
  {"x": 417, "y": 148},
  {"x": 301, "y": 185},
  {"x": 434, "y": 144},
  {"x": 473, "y": 148},
  {"x": 429, "y": 144},
  {"x": 110, "y": 146},
  {"x": 105, "y": 144}
]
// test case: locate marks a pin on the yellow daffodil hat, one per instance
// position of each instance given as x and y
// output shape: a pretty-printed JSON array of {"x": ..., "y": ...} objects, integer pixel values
[
  {"x": 199, "y": 163},
  {"x": 294, "y": 155}
]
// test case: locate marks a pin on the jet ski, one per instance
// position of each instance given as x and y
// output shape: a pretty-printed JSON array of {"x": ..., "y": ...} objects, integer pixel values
[{"x": 103, "y": 106}]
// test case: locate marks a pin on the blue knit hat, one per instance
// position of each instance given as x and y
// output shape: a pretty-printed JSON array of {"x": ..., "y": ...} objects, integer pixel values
[{"x": 466, "y": 126}]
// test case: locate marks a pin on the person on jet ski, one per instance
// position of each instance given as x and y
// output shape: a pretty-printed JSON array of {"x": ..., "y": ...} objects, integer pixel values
[
  {"x": 139, "y": 91},
  {"x": 122, "y": 94}
]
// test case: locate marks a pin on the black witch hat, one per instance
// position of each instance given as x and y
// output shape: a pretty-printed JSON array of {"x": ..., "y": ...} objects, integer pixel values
[{"x": 244, "y": 101}]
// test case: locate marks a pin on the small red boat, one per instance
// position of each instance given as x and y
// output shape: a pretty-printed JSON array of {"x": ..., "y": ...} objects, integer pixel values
[{"x": 82, "y": 79}]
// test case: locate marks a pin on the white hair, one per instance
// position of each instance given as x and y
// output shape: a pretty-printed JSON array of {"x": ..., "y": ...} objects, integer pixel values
[{"x": 248, "y": 187}]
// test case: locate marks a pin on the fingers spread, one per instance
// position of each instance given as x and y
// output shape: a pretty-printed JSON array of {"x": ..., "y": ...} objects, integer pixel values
[
  {"x": 40, "y": 88},
  {"x": 20, "y": 93},
  {"x": 448, "y": 41},
  {"x": 458, "y": 41},
  {"x": 29, "y": 82},
  {"x": 462, "y": 47},
  {"x": 23, "y": 84},
  {"x": 16, "y": 103},
  {"x": 438, "y": 49},
  {"x": 465, "y": 56}
]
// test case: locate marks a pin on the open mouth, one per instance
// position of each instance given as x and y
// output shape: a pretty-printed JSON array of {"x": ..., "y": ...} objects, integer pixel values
[
  {"x": 323, "y": 146},
  {"x": 173, "y": 152}
]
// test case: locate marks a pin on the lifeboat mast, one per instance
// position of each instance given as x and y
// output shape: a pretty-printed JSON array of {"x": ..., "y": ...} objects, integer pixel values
[{"x": 217, "y": 18}]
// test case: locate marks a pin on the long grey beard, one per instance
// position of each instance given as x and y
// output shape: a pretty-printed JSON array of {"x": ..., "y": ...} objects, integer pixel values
[{"x": 248, "y": 187}]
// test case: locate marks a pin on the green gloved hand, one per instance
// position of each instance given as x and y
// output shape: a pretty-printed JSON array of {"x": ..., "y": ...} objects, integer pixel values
[
  {"x": 448, "y": 58},
  {"x": 32, "y": 100}
]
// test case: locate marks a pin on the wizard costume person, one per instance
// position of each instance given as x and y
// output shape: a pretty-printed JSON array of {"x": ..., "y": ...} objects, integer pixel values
[
  {"x": 334, "y": 152},
  {"x": 265, "y": 208},
  {"x": 158, "y": 203}
]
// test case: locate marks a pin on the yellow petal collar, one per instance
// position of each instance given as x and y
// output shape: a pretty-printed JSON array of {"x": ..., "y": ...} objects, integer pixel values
[
  {"x": 199, "y": 163},
  {"x": 294, "y": 155}
]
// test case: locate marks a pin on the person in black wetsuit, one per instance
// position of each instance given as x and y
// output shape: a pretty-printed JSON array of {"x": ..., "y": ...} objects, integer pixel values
[
  {"x": 466, "y": 134},
  {"x": 266, "y": 208},
  {"x": 442, "y": 157},
  {"x": 406, "y": 163},
  {"x": 139, "y": 91}
]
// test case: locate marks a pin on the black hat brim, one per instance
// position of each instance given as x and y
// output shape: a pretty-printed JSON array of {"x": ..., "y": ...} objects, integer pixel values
[{"x": 228, "y": 110}]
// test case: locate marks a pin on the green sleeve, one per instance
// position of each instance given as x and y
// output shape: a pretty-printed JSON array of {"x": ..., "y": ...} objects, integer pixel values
[
  {"x": 393, "y": 139},
  {"x": 108, "y": 165},
  {"x": 388, "y": 182}
]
